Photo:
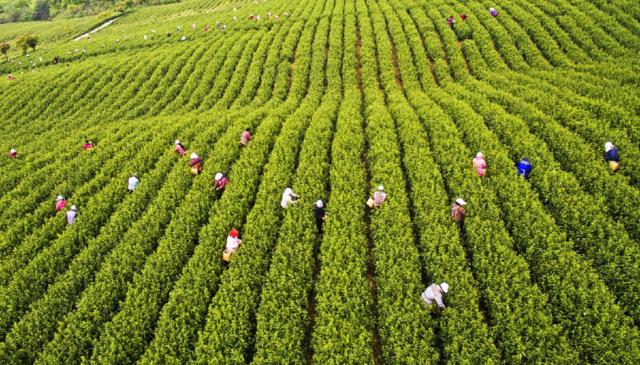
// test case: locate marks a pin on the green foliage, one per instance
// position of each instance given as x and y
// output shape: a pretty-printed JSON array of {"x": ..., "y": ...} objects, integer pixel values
[
  {"x": 341, "y": 96},
  {"x": 40, "y": 10},
  {"x": 4, "y": 49}
]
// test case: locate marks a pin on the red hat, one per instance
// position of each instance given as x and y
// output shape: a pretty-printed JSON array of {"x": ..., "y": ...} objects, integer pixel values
[{"x": 233, "y": 233}]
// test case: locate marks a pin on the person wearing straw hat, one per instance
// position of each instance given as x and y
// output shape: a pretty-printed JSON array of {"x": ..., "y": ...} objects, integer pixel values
[
  {"x": 180, "y": 148},
  {"x": 457, "y": 210},
  {"x": 13, "y": 153},
  {"x": 60, "y": 203},
  {"x": 233, "y": 242},
  {"x": 220, "y": 181},
  {"x": 611, "y": 156},
  {"x": 480, "y": 164},
  {"x": 72, "y": 215},
  {"x": 435, "y": 293},
  {"x": 195, "y": 163}
]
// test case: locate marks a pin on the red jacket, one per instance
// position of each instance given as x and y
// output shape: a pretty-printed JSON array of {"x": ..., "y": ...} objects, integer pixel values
[
  {"x": 195, "y": 161},
  {"x": 221, "y": 184}
]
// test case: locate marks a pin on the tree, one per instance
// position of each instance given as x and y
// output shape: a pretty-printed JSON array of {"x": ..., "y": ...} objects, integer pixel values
[
  {"x": 21, "y": 43},
  {"x": 4, "y": 49},
  {"x": 32, "y": 42},
  {"x": 25, "y": 42},
  {"x": 40, "y": 10}
]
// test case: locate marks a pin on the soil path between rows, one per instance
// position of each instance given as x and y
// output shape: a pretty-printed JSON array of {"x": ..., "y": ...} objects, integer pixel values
[{"x": 96, "y": 29}]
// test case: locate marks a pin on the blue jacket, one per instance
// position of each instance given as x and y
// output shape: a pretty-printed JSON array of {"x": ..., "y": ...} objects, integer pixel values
[
  {"x": 612, "y": 155},
  {"x": 524, "y": 168}
]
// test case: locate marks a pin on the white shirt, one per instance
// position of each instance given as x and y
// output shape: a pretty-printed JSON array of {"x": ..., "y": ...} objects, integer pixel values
[
  {"x": 71, "y": 216},
  {"x": 133, "y": 183},
  {"x": 433, "y": 292},
  {"x": 232, "y": 243},
  {"x": 287, "y": 198}
]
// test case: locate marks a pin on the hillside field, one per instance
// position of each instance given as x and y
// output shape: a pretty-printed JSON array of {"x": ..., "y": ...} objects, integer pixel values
[{"x": 341, "y": 96}]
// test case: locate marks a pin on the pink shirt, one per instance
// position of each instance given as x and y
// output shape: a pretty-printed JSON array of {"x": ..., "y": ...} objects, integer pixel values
[
  {"x": 87, "y": 146},
  {"x": 379, "y": 197},
  {"x": 60, "y": 204},
  {"x": 457, "y": 212},
  {"x": 180, "y": 150},
  {"x": 246, "y": 137},
  {"x": 480, "y": 165}
]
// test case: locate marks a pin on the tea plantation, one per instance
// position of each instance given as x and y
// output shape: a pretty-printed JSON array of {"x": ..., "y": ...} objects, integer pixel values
[{"x": 341, "y": 96}]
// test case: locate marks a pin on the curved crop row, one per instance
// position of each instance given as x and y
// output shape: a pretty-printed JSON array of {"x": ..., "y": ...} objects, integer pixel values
[
  {"x": 233, "y": 306},
  {"x": 465, "y": 336},
  {"x": 578, "y": 296},
  {"x": 30, "y": 334},
  {"x": 80, "y": 328},
  {"x": 594, "y": 233},
  {"x": 30, "y": 282}
]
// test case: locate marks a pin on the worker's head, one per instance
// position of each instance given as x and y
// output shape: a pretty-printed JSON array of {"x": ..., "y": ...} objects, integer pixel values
[
  {"x": 73, "y": 207},
  {"x": 461, "y": 202},
  {"x": 86, "y": 141},
  {"x": 233, "y": 233},
  {"x": 288, "y": 191},
  {"x": 248, "y": 130},
  {"x": 445, "y": 287},
  {"x": 134, "y": 175},
  {"x": 177, "y": 142},
  {"x": 479, "y": 154},
  {"x": 526, "y": 159},
  {"x": 380, "y": 188},
  {"x": 319, "y": 203},
  {"x": 218, "y": 176},
  {"x": 13, "y": 150},
  {"x": 194, "y": 155},
  {"x": 60, "y": 197},
  {"x": 608, "y": 146}
]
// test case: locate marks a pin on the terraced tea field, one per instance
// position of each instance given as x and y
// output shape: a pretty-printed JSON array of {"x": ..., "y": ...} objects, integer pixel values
[{"x": 341, "y": 96}]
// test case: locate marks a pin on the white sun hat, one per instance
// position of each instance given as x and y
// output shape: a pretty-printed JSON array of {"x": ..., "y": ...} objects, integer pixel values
[
  {"x": 445, "y": 287},
  {"x": 608, "y": 146},
  {"x": 194, "y": 155},
  {"x": 218, "y": 176},
  {"x": 461, "y": 201}
]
